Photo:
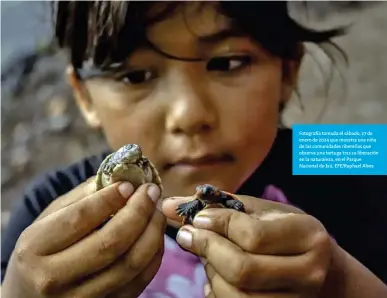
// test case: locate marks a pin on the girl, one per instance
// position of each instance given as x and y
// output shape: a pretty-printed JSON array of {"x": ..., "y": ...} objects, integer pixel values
[{"x": 200, "y": 87}]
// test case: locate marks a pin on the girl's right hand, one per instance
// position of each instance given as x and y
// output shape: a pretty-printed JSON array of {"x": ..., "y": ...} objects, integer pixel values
[{"x": 64, "y": 254}]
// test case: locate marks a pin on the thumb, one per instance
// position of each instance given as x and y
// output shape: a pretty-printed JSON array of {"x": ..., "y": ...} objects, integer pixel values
[{"x": 80, "y": 192}]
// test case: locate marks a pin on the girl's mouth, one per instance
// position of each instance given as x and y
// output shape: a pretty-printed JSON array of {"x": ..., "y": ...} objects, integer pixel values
[{"x": 203, "y": 162}]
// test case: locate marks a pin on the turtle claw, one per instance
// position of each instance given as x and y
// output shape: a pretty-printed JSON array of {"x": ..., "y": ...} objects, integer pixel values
[
  {"x": 235, "y": 204},
  {"x": 188, "y": 210}
]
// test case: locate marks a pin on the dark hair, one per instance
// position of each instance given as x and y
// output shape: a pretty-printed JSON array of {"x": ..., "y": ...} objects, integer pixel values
[{"x": 108, "y": 31}]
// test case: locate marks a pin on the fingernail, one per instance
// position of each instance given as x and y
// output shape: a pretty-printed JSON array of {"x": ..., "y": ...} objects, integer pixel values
[
  {"x": 153, "y": 192},
  {"x": 202, "y": 222},
  {"x": 184, "y": 238},
  {"x": 125, "y": 189},
  {"x": 207, "y": 290}
]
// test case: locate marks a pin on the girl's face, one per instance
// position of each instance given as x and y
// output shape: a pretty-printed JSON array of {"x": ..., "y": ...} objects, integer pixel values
[{"x": 211, "y": 121}]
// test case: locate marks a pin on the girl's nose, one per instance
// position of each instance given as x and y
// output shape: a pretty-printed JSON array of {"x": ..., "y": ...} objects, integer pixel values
[{"x": 191, "y": 110}]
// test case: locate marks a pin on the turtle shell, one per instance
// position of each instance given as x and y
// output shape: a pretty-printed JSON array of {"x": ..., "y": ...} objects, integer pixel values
[{"x": 133, "y": 173}]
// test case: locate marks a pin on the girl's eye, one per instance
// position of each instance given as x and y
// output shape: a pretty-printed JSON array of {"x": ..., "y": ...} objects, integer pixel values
[
  {"x": 231, "y": 63},
  {"x": 136, "y": 77}
]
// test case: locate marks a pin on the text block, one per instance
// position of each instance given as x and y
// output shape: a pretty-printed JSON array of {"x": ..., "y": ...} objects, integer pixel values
[{"x": 339, "y": 149}]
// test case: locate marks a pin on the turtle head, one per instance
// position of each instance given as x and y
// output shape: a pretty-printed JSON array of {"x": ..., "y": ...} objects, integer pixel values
[
  {"x": 130, "y": 153},
  {"x": 207, "y": 190}
]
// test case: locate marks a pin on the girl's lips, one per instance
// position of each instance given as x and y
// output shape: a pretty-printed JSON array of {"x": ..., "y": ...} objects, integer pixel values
[{"x": 201, "y": 163}]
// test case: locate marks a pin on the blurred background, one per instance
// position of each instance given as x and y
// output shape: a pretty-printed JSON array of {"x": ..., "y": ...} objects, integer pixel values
[{"x": 41, "y": 128}]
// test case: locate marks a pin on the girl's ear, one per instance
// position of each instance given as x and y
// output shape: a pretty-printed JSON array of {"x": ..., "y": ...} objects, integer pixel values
[
  {"x": 83, "y": 99},
  {"x": 290, "y": 73}
]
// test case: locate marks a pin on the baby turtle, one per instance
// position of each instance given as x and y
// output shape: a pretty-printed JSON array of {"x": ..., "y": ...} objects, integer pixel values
[
  {"x": 127, "y": 164},
  {"x": 208, "y": 196}
]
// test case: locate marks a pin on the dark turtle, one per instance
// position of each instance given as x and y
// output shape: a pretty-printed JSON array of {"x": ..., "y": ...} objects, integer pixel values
[{"x": 208, "y": 196}]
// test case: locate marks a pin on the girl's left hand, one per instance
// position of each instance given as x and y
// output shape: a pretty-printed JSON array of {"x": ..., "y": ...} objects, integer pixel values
[{"x": 271, "y": 251}]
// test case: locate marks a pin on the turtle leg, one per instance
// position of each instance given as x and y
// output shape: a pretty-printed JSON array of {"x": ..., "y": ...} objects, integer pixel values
[
  {"x": 234, "y": 204},
  {"x": 104, "y": 162},
  {"x": 100, "y": 171},
  {"x": 188, "y": 210},
  {"x": 230, "y": 201}
]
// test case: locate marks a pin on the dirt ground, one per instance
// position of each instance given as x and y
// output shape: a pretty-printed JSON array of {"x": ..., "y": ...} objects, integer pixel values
[{"x": 41, "y": 128}]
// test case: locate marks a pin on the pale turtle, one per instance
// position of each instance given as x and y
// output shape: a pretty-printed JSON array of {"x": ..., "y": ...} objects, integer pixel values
[{"x": 127, "y": 164}]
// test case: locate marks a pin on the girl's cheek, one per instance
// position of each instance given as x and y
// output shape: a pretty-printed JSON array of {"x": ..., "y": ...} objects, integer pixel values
[{"x": 140, "y": 126}]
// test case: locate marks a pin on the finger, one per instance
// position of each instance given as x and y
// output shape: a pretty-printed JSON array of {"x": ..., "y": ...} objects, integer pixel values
[
  {"x": 119, "y": 235},
  {"x": 68, "y": 225},
  {"x": 253, "y": 272},
  {"x": 260, "y": 206},
  {"x": 274, "y": 233},
  {"x": 141, "y": 281},
  {"x": 210, "y": 273},
  {"x": 116, "y": 281},
  {"x": 209, "y": 269},
  {"x": 148, "y": 244},
  {"x": 82, "y": 191},
  {"x": 135, "y": 287},
  {"x": 78, "y": 193},
  {"x": 77, "y": 217},
  {"x": 221, "y": 288}
]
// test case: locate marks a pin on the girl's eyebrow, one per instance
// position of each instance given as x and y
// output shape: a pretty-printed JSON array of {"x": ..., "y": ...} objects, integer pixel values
[
  {"x": 89, "y": 70},
  {"x": 220, "y": 35}
]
